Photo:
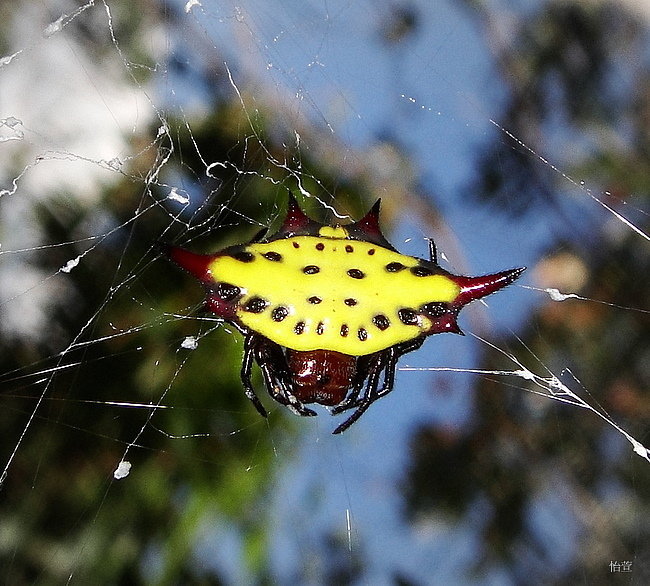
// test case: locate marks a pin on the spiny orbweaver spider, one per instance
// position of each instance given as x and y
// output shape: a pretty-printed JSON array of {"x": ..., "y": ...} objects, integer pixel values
[{"x": 327, "y": 311}]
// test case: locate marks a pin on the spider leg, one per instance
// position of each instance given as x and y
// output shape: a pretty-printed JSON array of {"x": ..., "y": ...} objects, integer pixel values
[
  {"x": 369, "y": 396},
  {"x": 279, "y": 391},
  {"x": 433, "y": 253},
  {"x": 385, "y": 362},
  {"x": 394, "y": 355},
  {"x": 250, "y": 343},
  {"x": 410, "y": 346},
  {"x": 272, "y": 363},
  {"x": 389, "y": 373},
  {"x": 366, "y": 365}
]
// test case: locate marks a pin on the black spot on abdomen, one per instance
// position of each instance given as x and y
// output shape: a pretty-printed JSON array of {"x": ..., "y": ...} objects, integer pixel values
[
  {"x": 227, "y": 292},
  {"x": 408, "y": 317},
  {"x": 395, "y": 267},
  {"x": 279, "y": 313},
  {"x": 299, "y": 328},
  {"x": 244, "y": 256},
  {"x": 381, "y": 321},
  {"x": 255, "y": 305},
  {"x": 421, "y": 271},
  {"x": 356, "y": 273}
]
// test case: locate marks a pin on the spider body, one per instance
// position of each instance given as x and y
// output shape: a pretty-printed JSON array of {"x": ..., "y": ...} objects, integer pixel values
[{"x": 326, "y": 311}]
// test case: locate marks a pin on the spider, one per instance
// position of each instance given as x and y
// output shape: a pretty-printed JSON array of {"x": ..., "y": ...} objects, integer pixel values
[{"x": 327, "y": 310}]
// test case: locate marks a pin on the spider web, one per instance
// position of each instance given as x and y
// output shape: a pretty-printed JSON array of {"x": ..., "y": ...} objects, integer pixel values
[{"x": 125, "y": 125}]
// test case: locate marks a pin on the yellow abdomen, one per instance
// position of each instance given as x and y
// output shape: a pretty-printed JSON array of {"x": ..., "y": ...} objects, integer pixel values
[{"x": 333, "y": 293}]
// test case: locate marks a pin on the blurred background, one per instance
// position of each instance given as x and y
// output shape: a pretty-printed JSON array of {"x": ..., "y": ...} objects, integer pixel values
[{"x": 514, "y": 134}]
